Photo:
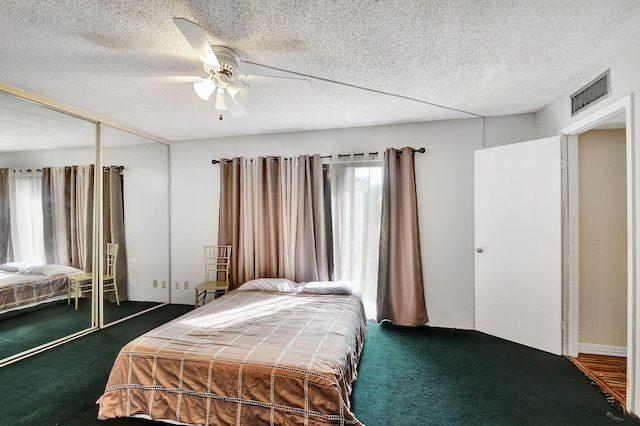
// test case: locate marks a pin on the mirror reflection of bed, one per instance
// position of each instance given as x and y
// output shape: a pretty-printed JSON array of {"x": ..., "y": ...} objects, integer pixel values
[{"x": 47, "y": 159}]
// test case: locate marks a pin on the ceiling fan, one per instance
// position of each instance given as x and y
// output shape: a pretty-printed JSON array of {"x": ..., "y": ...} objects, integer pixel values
[{"x": 221, "y": 64}]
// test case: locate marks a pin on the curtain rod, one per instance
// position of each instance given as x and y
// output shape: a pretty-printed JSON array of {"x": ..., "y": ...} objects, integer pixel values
[
  {"x": 420, "y": 150},
  {"x": 67, "y": 168},
  {"x": 118, "y": 168},
  {"x": 26, "y": 170}
]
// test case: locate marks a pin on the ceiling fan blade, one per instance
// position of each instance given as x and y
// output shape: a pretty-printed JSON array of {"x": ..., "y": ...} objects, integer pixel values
[
  {"x": 198, "y": 41},
  {"x": 170, "y": 78},
  {"x": 237, "y": 111},
  {"x": 275, "y": 82}
]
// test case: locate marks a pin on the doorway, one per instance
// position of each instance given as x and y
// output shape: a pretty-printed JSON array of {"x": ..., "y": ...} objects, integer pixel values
[
  {"x": 602, "y": 279},
  {"x": 599, "y": 260}
]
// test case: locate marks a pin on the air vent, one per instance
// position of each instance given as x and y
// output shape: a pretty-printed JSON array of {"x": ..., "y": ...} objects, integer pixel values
[{"x": 596, "y": 90}]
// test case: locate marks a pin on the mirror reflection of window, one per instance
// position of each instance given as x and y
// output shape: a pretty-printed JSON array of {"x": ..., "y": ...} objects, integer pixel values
[
  {"x": 47, "y": 223},
  {"x": 38, "y": 145},
  {"x": 25, "y": 216}
]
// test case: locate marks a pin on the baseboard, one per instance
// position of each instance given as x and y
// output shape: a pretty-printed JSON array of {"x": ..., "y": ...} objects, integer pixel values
[{"x": 592, "y": 348}]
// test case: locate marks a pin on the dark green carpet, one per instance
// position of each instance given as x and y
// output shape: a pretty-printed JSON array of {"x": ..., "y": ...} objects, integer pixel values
[
  {"x": 432, "y": 376},
  {"x": 60, "y": 386},
  {"x": 27, "y": 329},
  {"x": 421, "y": 376}
]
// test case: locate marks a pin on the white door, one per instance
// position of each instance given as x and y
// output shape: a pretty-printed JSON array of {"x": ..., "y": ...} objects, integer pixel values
[{"x": 518, "y": 236}]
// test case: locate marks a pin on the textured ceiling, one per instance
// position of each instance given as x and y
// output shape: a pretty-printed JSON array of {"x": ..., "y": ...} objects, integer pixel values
[{"x": 376, "y": 61}]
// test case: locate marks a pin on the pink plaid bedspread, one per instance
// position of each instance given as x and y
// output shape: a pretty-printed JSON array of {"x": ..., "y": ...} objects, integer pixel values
[
  {"x": 26, "y": 289},
  {"x": 247, "y": 358}
]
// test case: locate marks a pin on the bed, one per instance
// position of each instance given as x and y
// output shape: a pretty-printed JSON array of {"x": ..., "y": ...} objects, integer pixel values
[
  {"x": 258, "y": 355},
  {"x": 25, "y": 284}
]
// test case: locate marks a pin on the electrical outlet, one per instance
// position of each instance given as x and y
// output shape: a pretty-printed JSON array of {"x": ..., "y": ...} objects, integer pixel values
[
  {"x": 164, "y": 284},
  {"x": 155, "y": 283},
  {"x": 177, "y": 285},
  {"x": 186, "y": 285}
]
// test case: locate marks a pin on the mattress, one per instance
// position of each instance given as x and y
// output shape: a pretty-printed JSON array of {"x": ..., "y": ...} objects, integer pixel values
[
  {"x": 247, "y": 358},
  {"x": 22, "y": 289}
]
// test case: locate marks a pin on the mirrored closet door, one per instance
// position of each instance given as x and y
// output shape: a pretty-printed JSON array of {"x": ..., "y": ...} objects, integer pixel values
[
  {"x": 135, "y": 223},
  {"x": 47, "y": 190}
]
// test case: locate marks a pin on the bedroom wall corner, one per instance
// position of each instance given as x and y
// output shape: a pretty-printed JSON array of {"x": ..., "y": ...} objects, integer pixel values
[{"x": 508, "y": 129}]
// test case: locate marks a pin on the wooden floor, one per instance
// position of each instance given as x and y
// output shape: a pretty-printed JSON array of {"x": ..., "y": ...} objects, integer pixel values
[{"x": 609, "y": 372}]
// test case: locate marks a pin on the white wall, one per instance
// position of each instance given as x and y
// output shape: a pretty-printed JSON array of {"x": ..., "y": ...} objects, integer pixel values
[
  {"x": 48, "y": 158},
  {"x": 624, "y": 80},
  {"x": 444, "y": 185},
  {"x": 508, "y": 129}
]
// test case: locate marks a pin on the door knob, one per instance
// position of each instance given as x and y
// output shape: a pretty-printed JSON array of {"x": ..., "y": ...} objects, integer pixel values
[{"x": 479, "y": 249}]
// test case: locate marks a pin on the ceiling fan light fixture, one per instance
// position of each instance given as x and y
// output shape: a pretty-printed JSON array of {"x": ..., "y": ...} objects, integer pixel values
[
  {"x": 222, "y": 64},
  {"x": 204, "y": 88},
  {"x": 224, "y": 101},
  {"x": 238, "y": 94}
]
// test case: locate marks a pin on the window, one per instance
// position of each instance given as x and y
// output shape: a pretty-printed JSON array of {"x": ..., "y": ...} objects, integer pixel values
[
  {"x": 27, "y": 233},
  {"x": 356, "y": 206}
]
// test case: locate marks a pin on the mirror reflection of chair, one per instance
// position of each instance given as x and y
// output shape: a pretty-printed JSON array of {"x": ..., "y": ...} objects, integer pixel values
[
  {"x": 83, "y": 281},
  {"x": 110, "y": 282},
  {"x": 217, "y": 263}
]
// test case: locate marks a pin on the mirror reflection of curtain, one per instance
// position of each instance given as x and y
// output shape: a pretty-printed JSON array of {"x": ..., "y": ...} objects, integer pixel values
[
  {"x": 68, "y": 215},
  {"x": 113, "y": 225},
  {"x": 272, "y": 213},
  {"x": 4, "y": 215},
  {"x": 356, "y": 204},
  {"x": 25, "y": 216}
]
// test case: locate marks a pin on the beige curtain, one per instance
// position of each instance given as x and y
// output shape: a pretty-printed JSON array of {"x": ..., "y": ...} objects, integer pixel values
[
  {"x": 5, "y": 225},
  {"x": 67, "y": 200},
  {"x": 267, "y": 229},
  {"x": 229, "y": 217},
  {"x": 289, "y": 212},
  {"x": 272, "y": 216},
  {"x": 311, "y": 243},
  {"x": 400, "y": 284},
  {"x": 56, "y": 193},
  {"x": 113, "y": 226},
  {"x": 82, "y": 217}
]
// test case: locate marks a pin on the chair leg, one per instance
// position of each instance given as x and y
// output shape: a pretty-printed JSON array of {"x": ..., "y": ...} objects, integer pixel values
[{"x": 115, "y": 288}]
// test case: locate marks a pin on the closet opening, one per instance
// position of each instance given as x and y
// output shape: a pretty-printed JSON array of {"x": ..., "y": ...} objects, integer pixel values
[
  {"x": 599, "y": 260},
  {"x": 602, "y": 277}
]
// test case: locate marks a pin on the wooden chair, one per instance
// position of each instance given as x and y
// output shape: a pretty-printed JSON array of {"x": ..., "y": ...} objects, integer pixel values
[
  {"x": 109, "y": 279},
  {"x": 82, "y": 281},
  {"x": 217, "y": 264}
]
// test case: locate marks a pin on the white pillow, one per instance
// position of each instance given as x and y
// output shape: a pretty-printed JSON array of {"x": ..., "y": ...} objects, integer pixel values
[
  {"x": 50, "y": 270},
  {"x": 23, "y": 267},
  {"x": 327, "y": 287},
  {"x": 270, "y": 284}
]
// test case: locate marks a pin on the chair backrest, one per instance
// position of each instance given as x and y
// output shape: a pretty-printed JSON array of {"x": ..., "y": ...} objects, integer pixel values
[
  {"x": 217, "y": 262},
  {"x": 112, "y": 258}
]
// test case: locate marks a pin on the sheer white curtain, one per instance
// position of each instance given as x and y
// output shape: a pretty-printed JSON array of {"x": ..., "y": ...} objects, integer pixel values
[
  {"x": 25, "y": 212},
  {"x": 356, "y": 205}
]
